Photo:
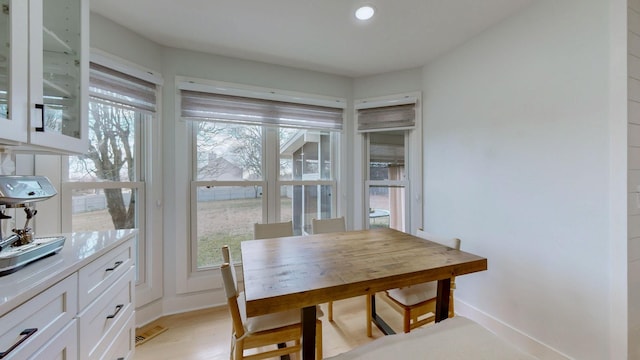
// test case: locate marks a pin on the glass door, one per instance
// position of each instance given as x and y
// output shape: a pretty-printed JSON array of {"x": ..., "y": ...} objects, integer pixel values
[
  {"x": 13, "y": 71},
  {"x": 58, "y": 34}
]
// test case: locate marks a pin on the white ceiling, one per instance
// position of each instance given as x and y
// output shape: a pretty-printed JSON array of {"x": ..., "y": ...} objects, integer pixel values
[{"x": 320, "y": 35}]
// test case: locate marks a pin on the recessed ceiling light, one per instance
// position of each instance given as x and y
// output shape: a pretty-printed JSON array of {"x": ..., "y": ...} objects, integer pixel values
[{"x": 365, "y": 12}]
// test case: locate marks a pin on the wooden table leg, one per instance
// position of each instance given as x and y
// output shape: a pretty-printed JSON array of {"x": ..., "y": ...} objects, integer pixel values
[
  {"x": 308, "y": 315},
  {"x": 442, "y": 299}
]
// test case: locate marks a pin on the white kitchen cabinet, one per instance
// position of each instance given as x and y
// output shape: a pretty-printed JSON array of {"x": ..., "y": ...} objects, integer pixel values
[
  {"x": 48, "y": 76},
  {"x": 78, "y": 304},
  {"x": 63, "y": 346},
  {"x": 106, "y": 317},
  {"x": 31, "y": 325}
]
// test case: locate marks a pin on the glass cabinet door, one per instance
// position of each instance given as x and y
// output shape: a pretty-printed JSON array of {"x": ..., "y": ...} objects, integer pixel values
[
  {"x": 59, "y": 33},
  {"x": 13, "y": 71},
  {"x": 61, "y": 67}
]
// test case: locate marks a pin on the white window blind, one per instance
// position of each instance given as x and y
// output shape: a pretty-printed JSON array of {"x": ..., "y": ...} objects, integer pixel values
[
  {"x": 117, "y": 88},
  {"x": 387, "y": 117},
  {"x": 204, "y": 106}
]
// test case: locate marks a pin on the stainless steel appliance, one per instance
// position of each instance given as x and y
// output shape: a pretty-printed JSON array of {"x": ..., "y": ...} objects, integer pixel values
[{"x": 21, "y": 247}]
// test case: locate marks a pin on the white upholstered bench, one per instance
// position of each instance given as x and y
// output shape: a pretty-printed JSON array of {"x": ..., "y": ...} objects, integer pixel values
[{"x": 456, "y": 338}]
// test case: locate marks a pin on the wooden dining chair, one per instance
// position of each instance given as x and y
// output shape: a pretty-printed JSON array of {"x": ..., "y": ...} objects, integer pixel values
[
  {"x": 226, "y": 258},
  {"x": 416, "y": 301},
  {"x": 273, "y": 230},
  {"x": 323, "y": 226},
  {"x": 269, "y": 330}
]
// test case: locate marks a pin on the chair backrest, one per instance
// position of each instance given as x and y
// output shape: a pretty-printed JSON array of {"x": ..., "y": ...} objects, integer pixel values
[
  {"x": 226, "y": 258},
  {"x": 273, "y": 230},
  {"x": 323, "y": 226},
  {"x": 232, "y": 299},
  {"x": 450, "y": 242}
]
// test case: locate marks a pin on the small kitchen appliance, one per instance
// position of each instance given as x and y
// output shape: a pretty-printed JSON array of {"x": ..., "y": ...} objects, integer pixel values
[{"x": 21, "y": 247}]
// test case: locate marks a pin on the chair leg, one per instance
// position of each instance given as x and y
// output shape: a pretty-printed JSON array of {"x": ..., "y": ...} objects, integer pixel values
[
  {"x": 319, "y": 339},
  {"x": 330, "y": 310},
  {"x": 407, "y": 320},
  {"x": 369, "y": 319},
  {"x": 239, "y": 353}
]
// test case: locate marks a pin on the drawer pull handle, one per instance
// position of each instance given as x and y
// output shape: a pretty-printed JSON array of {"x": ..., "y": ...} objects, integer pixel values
[
  {"x": 118, "y": 308},
  {"x": 115, "y": 265},
  {"x": 26, "y": 333}
]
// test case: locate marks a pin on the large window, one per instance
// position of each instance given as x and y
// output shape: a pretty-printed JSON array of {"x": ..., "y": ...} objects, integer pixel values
[
  {"x": 107, "y": 187},
  {"x": 256, "y": 160},
  {"x": 389, "y": 129}
]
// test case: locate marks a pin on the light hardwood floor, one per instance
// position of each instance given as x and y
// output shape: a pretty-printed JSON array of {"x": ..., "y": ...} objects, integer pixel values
[{"x": 206, "y": 334}]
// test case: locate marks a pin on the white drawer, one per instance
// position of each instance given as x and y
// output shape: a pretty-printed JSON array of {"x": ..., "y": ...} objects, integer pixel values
[
  {"x": 97, "y": 276},
  {"x": 28, "y": 327},
  {"x": 123, "y": 347},
  {"x": 63, "y": 346},
  {"x": 102, "y": 320}
]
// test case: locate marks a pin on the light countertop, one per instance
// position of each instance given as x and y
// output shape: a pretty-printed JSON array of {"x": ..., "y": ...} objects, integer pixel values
[{"x": 79, "y": 250}]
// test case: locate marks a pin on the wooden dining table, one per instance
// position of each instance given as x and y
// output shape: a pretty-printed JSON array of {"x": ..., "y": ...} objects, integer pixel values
[{"x": 300, "y": 272}]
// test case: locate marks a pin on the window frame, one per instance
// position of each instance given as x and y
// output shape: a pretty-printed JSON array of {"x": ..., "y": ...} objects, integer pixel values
[
  {"x": 190, "y": 279},
  {"x": 148, "y": 185},
  {"x": 413, "y": 160}
]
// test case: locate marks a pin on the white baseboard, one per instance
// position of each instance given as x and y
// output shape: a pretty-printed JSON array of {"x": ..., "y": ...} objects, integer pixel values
[
  {"x": 148, "y": 313},
  {"x": 510, "y": 334},
  {"x": 177, "y": 305}
]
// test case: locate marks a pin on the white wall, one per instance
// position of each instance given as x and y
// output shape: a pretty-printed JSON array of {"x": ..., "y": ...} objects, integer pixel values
[
  {"x": 123, "y": 43},
  {"x": 634, "y": 178},
  {"x": 517, "y": 165}
]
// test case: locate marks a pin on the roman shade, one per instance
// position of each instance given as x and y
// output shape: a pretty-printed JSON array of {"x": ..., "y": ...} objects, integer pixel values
[
  {"x": 116, "y": 88},
  {"x": 206, "y": 106},
  {"x": 396, "y": 117}
]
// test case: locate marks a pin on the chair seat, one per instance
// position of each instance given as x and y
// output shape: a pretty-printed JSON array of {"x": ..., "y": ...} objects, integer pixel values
[
  {"x": 414, "y": 294},
  {"x": 269, "y": 321}
]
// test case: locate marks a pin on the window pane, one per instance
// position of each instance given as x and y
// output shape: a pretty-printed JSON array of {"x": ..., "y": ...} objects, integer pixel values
[
  {"x": 225, "y": 216},
  {"x": 301, "y": 203},
  {"x": 103, "y": 209},
  {"x": 386, "y": 150},
  {"x": 306, "y": 154},
  {"x": 387, "y": 207},
  {"x": 112, "y": 145},
  {"x": 228, "y": 151}
]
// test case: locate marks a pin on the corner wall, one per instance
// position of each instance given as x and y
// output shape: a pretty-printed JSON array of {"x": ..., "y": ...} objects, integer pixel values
[
  {"x": 634, "y": 177},
  {"x": 517, "y": 164}
]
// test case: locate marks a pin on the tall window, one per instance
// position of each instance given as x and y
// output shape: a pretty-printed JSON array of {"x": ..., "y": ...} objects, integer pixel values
[
  {"x": 106, "y": 188},
  {"x": 392, "y": 158},
  {"x": 256, "y": 160},
  {"x": 388, "y": 180}
]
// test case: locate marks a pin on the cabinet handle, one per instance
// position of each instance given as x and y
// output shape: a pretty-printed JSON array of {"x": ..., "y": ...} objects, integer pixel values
[
  {"x": 115, "y": 265},
  {"x": 26, "y": 333},
  {"x": 120, "y": 358},
  {"x": 40, "y": 128},
  {"x": 118, "y": 308}
]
